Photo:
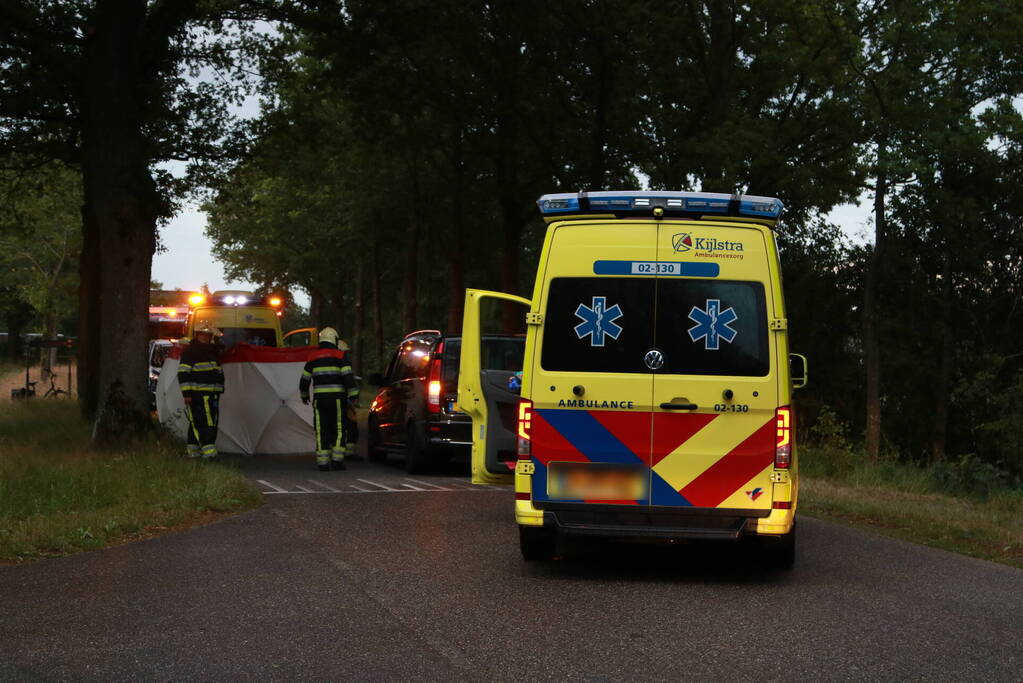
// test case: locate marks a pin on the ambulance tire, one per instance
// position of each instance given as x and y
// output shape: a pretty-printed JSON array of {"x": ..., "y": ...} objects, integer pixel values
[
  {"x": 781, "y": 552},
  {"x": 537, "y": 544},
  {"x": 416, "y": 458},
  {"x": 374, "y": 451}
]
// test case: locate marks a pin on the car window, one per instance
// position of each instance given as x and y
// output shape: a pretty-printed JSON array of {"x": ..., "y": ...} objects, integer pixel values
[
  {"x": 499, "y": 353},
  {"x": 413, "y": 359},
  {"x": 159, "y": 355},
  {"x": 299, "y": 339}
]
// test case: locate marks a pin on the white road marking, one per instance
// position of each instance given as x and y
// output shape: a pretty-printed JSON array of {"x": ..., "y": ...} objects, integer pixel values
[
  {"x": 373, "y": 483},
  {"x": 426, "y": 483},
  {"x": 325, "y": 489}
]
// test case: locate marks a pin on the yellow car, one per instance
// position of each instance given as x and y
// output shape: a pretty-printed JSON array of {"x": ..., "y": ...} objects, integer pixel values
[{"x": 656, "y": 386}]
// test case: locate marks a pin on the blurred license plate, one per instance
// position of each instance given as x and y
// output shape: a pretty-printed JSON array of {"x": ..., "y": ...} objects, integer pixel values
[{"x": 589, "y": 481}]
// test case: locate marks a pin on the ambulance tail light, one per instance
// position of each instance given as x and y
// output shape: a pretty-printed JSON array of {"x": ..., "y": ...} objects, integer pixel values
[
  {"x": 783, "y": 449},
  {"x": 433, "y": 382},
  {"x": 525, "y": 444}
]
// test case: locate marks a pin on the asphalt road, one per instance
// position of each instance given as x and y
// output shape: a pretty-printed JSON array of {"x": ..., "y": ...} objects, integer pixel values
[{"x": 371, "y": 575}]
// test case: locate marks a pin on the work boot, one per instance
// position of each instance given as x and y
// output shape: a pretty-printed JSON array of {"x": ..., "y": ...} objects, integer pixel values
[
  {"x": 323, "y": 468},
  {"x": 339, "y": 465}
]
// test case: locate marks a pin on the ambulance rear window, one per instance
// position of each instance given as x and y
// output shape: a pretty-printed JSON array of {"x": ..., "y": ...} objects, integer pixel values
[
  {"x": 257, "y": 336},
  {"x": 701, "y": 326}
]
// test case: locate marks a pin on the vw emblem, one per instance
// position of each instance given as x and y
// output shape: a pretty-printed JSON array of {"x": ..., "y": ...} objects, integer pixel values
[{"x": 654, "y": 359}]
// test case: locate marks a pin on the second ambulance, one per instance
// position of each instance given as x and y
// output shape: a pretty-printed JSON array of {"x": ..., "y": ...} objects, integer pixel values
[{"x": 656, "y": 385}]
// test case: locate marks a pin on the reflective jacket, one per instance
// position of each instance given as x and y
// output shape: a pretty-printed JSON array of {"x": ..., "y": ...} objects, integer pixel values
[
  {"x": 200, "y": 371},
  {"x": 330, "y": 373}
]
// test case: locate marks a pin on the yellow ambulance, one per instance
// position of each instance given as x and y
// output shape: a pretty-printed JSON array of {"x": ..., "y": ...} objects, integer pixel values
[
  {"x": 241, "y": 316},
  {"x": 656, "y": 384}
]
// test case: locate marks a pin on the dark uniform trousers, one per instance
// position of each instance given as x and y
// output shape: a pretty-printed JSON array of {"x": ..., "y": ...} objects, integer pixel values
[
  {"x": 203, "y": 417},
  {"x": 202, "y": 381},
  {"x": 329, "y": 421}
]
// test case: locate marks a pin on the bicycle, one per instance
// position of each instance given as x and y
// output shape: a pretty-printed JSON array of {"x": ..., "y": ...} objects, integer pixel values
[{"x": 54, "y": 391}]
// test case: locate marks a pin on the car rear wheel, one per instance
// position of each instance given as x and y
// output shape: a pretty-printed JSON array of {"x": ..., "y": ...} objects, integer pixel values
[
  {"x": 374, "y": 451},
  {"x": 537, "y": 544},
  {"x": 415, "y": 456}
]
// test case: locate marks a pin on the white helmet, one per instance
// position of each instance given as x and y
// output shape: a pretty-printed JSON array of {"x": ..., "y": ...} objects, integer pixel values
[{"x": 329, "y": 335}]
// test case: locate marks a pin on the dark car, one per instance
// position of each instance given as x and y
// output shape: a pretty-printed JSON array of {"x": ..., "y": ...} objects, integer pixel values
[{"x": 415, "y": 411}]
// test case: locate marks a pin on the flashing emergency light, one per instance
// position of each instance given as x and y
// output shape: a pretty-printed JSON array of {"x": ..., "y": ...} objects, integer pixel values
[
  {"x": 197, "y": 299},
  {"x": 275, "y": 301},
  {"x": 647, "y": 202},
  {"x": 229, "y": 300}
]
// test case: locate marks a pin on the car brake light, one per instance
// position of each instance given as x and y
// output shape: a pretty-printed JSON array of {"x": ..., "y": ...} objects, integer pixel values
[
  {"x": 524, "y": 448},
  {"x": 433, "y": 385},
  {"x": 783, "y": 449}
]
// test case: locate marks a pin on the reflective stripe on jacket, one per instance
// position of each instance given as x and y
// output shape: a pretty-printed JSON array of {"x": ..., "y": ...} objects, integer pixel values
[
  {"x": 330, "y": 373},
  {"x": 200, "y": 371}
]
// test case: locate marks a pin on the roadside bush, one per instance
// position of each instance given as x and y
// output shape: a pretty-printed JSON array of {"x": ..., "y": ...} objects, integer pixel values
[
  {"x": 828, "y": 451},
  {"x": 971, "y": 476}
]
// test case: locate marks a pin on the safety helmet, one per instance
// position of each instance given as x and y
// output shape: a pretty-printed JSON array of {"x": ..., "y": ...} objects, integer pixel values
[
  {"x": 207, "y": 327},
  {"x": 329, "y": 335},
  {"x": 342, "y": 345}
]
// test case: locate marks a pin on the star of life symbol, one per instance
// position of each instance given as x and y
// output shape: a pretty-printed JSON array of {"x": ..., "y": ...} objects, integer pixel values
[
  {"x": 598, "y": 320},
  {"x": 712, "y": 324}
]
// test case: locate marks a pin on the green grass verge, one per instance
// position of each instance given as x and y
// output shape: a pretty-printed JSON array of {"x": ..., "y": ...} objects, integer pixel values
[
  {"x": 59, "y": 495},
  {"x": 910, "y": 503}
]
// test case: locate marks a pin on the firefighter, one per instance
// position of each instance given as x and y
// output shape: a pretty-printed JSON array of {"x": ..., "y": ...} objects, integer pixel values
[
  {"x": 334, "y": 391},
  {"x": 202, "y": 382}
]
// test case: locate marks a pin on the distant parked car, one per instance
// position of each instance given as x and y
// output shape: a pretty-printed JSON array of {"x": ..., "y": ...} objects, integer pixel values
[
  {"x": 415, "y": 412},
  {"x": 158, "y": 350}
]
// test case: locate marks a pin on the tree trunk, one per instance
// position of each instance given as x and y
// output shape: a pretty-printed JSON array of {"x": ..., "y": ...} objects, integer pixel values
[
  {"x": 120, "y": 202},
  {"x": 456, "y": 256},
  {"x": 871, "y": 346},
  {"x": 89, "y": 321},
  {"x": 49, "y": 355},
  {"x": 378, "y": 316},
  {"x": 411, "y": 304},
  {"x": 360, "y": 317},
  {"x": 943, "y": 381}
]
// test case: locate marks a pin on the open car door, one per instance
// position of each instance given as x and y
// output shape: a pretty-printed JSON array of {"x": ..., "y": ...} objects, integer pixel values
[
  {"x": 485, "y": 392},
  {"x": 306, "y": 336}
]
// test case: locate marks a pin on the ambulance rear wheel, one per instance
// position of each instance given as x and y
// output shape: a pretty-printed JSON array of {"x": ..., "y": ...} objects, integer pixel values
[
  {"x": 781, "y": 551},
  {"x": 537, "y": 544}
]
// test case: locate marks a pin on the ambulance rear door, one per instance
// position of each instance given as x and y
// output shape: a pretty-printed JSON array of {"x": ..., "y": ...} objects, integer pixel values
[
  {"x": 715, "y": 387},
  {"x": 590, "y": 390},
  {"x": 489, "y": 379}
]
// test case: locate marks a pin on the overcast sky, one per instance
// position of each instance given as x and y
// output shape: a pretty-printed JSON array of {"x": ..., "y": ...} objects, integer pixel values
[{"x": 188, "y": 261}]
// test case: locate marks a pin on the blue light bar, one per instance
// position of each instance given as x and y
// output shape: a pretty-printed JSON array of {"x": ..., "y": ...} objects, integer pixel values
[{"x": 642, "y": 202}]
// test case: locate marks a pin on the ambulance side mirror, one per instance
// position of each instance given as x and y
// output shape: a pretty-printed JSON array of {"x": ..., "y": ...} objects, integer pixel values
[{"x": 799, "y": 370}]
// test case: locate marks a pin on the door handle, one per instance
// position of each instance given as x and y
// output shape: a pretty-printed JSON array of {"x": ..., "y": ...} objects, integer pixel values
[{"x": 679, "y": 406}]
